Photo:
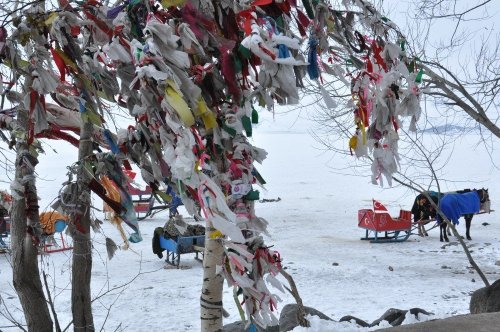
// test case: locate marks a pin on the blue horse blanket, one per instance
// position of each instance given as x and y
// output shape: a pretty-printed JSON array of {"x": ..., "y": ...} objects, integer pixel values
[{"x": 456, "y": 205}]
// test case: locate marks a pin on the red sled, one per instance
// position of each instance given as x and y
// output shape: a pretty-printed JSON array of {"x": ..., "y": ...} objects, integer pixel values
[{"x": 381, "y": 227}]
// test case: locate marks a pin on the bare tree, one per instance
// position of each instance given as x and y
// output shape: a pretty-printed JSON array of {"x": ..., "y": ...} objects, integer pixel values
[
  {"x": 458, "y": 74},
  {"x": 461, "y": 64},
  {"x": 385, "y": 79}
]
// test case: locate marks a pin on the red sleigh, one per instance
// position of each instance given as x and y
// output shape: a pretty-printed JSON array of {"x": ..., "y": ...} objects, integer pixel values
[{"x": 381, "y": 227}]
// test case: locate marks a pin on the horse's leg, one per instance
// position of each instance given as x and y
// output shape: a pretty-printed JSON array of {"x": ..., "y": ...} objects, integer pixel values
[
  {"x": 442, "y": 232},
  {"x": 448, "y": 230},
  {"x": 468, "y": 219},
  {"x": 421, "y": 230}
]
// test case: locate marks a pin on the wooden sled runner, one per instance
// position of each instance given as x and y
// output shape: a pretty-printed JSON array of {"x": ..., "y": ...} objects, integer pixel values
[{"x": 381, "y": 227}]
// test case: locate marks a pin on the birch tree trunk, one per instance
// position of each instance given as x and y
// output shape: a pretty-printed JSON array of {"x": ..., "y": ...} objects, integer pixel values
[
  {"x": 211, "y": 294},
  {"x": 81, "y": 300},
  {"x": 24, "y": 219}
]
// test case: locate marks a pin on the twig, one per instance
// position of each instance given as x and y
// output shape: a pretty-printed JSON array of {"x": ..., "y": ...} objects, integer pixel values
[
  {"x": 51, "y": 303},
  {"x": 7, "y": 15},
  {"x": 301, "y": 313},
  {"x": 115, "y": 288},
  {"x": 9, "y": 317},
  {"x": 466, "y": 250},
  {"x": 238, "y": 305},
  {"x": 109, "y": 311}
]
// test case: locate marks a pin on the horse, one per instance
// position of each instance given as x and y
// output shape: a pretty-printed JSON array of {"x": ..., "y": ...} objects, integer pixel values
[
  {"x": 465, "y": 203},
  {"x": 423, "y": 210}
]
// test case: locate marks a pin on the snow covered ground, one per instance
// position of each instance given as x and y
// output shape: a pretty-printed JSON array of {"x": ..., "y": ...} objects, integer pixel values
[{"x": 314, "y": 227}]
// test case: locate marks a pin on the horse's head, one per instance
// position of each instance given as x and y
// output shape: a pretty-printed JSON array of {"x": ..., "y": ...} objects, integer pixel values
[{"x": 484, "y": 199}]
